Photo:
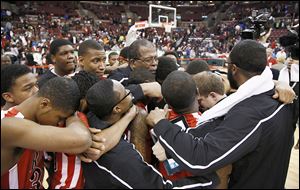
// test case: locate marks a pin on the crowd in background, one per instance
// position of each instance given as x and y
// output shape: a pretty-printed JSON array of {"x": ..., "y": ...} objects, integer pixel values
[{"x": 25, "y": 34}]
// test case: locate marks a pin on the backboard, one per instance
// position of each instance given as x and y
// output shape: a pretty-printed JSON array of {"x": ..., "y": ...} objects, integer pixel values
[{"x": 162, "y": 14}]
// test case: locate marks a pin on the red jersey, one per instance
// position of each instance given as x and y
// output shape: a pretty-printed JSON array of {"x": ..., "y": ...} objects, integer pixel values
[
  {"x": 67, "y": 172},
  {"x": 67, "y": 168},
  {"x": 191, "y": 119},
  {"x": 28, "y": 173}
]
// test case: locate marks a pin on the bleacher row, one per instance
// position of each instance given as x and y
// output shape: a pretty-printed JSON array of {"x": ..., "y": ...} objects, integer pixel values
[
  {"x": 236, "y": 10},
  {"x": 187, "y": 13}
]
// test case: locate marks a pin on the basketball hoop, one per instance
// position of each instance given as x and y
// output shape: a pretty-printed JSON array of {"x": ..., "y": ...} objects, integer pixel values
[{"x": 167, "y": 27}]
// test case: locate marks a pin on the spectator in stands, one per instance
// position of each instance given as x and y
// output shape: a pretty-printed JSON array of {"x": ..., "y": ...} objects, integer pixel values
[
  {"x": 92, "y": 57},
  {"x": 271, "y": 60},
  {"x": 188, "y": 53},
  {"x": 142, "y": 53},
  {"x": 13, "y": 53},
  {"x": 5, "y": 60},
  {"x": 107, "y": 101},
  {"x": 197, "y": 66},
  {"x": 30, "y": 62},
  {"x": 251, "y": 145},
  {"x": 17, "y": 84},
  {"x": 62, "y": 56}
]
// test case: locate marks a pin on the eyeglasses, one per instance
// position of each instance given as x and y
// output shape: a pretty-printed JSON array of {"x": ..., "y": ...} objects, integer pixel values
[
  {"x": 148, "y": 59},
  {"x": 121, "y": 99}
]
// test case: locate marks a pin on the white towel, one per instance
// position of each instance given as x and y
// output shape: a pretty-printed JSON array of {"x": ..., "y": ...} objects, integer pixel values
[
  {"x": 284, "y": 74},
  {"x": 255, "y": 85}
]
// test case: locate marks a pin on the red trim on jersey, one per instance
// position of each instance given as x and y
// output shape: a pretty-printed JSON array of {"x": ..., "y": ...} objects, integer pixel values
[
  {"x": 192, "y": 122},
  {"x": 68, "y": 173},
  {"x": 83, "y": 118}
]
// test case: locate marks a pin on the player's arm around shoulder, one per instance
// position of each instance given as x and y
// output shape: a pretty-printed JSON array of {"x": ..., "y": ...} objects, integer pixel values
[{"x": 74, "y": 138}]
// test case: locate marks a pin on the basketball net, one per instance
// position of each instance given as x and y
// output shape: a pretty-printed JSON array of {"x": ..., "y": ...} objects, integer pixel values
[{"x": 167, "y": 26}]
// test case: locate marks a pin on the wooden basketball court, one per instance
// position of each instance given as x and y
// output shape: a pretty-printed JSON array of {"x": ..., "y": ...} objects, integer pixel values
[{"x": 292, "y": 181}]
